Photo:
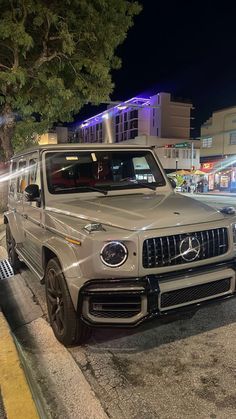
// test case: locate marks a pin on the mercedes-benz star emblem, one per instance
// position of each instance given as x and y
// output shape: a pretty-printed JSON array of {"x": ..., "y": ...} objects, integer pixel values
[{"x": 189, "y": 248}]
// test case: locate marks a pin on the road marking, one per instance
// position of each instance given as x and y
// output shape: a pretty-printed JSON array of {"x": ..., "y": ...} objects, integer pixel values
[{"x": 16, "y": 395}]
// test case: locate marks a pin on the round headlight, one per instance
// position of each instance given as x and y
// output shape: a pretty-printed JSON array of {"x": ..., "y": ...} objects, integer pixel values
[{"x": 114, "y": 254}]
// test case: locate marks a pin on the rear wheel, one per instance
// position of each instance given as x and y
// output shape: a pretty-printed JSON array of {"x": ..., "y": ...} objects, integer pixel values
[
  {"x": 67, "y": 327},
  {"x": 11, "y": 250}
]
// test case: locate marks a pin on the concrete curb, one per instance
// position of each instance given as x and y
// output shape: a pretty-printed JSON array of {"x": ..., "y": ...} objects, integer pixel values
[{"x": 34, "y": 388}]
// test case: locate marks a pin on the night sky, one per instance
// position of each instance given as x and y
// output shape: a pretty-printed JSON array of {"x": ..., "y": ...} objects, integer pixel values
[{"x": 183, "y": 47}]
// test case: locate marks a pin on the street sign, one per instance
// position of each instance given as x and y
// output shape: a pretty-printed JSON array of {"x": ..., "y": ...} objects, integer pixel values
[{"x": 183, "y": 145}]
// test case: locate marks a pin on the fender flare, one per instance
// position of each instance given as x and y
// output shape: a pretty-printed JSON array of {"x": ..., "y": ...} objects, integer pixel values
[
  {"x": 10, "y": 217},
  {"x": 65, "y": 254},
  {"x": 69, "y": 262}
]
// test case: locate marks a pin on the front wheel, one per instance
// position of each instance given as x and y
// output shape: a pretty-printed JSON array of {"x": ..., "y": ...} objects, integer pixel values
[
  {"x": 11, "y": 250},
  {"x": 67, "y": 327}
]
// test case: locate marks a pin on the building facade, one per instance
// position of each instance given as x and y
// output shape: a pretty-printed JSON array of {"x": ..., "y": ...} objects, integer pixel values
[
  {"x": 57, "y": 135},
  {"x": 218, "y": 149},
  {"x": 158, "y": 121},
  {"x": 158, "y": 116}
]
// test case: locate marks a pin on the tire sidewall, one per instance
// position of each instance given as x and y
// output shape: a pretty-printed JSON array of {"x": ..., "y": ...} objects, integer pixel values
[
  {"x": 12, "y": 257},
  {"x": 71, "y": 322}
]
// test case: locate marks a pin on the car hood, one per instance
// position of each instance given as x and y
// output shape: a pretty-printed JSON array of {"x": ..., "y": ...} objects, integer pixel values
[{"x": 138, "y": 211}]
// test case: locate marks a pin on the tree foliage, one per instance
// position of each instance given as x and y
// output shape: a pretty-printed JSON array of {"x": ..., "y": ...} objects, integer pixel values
[{"x": 55, "y": 56}]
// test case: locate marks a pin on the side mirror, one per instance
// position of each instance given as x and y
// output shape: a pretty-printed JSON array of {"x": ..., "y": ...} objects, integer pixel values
[
  {"x": 172, "y": 182},
  {"x": 32, "y": 193}
]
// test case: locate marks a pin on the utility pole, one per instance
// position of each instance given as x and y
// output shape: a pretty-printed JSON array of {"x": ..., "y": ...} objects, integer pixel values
[
  {"x": 192, "y": 149},
  {"x": 176, "y": 165}
]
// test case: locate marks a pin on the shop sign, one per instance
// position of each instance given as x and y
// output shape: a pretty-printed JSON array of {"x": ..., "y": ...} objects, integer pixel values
[
  {"x": 183, "y": 145},
  {"x": 224, "y": 181},
  {"x": 207, "y": 166}
]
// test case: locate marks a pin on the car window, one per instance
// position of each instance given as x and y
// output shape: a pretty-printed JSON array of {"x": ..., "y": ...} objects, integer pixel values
[
  {"x": 13, "y": 178},
  {"x": 34, "y": 172},
  {"x": 80, "y": 171},
  {"x": 22, "y": 176}
]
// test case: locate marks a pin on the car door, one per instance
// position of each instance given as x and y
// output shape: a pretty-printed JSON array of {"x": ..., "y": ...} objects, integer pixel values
[{"x": 32, "y": 213}]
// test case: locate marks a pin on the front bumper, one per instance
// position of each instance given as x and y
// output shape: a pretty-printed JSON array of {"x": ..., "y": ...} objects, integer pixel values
[{"x": 129, "y": 302}]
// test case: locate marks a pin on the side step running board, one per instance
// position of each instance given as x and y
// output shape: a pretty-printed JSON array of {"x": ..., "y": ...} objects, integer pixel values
[{"x": 32, "y": 266}]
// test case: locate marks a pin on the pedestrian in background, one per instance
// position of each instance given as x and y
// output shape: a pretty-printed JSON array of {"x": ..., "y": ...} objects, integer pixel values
[{"x": 192, "y": 187}]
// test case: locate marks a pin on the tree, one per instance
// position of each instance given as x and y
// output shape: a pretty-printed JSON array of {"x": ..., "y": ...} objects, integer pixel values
[{"x": 55, "y": 56}]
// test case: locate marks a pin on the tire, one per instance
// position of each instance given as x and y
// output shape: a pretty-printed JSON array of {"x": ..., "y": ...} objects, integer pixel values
[
  {"x": 66, "y": 325},
  {"x": 11, "y": 251}
]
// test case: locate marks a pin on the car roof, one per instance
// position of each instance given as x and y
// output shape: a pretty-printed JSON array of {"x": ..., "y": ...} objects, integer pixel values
[{"x": 79, "y": 146}]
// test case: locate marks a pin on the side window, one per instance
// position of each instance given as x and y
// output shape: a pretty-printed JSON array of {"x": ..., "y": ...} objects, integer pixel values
[
  {"x": 12, "y": 182},
  {"x": 22, "y": 178},
  {"x": 34, "y": 172}
]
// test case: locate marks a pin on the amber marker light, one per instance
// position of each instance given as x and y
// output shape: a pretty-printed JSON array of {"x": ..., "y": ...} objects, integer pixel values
[{"x": 72, "y": 241}]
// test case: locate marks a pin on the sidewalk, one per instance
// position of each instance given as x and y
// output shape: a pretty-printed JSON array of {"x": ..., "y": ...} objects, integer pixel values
[
  {"x": 214, "y": 193},
  {"x": 220, "y": 193}
]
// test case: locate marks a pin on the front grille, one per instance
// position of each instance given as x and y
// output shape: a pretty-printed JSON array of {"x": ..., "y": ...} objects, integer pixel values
[
  {"x": 114, "y": 306},
  {"x": 165, "y": 251},
  {"x": 187, "y": 295}
]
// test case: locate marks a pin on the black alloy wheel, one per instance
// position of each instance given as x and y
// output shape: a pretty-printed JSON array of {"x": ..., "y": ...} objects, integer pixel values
[
  {"x": 66, "y": 325},
  {"x": 11, "y": 251},
  {"x": 55, "y": 302}
]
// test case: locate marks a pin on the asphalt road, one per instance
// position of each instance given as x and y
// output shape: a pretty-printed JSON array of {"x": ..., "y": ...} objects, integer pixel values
[
  {"x": 217, "y": 201},
  {"x": 182, "y": 369}
]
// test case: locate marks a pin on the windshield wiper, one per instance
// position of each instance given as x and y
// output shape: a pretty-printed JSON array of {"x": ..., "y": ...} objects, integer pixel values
[
  {"x": 91, "y": 188},
  {"x": 104, "y": 192},
  {"x": 146, "y": 185}
]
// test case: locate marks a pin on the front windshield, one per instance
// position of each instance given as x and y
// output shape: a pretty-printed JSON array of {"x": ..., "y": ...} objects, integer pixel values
[{"x": 101, "y": 171}]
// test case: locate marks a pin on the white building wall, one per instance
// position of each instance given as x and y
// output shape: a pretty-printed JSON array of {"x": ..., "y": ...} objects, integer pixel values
[
  {"x": 175, "y": 118},
  {"x": 62, "y": 134},
  {"x": 144, "y": 121},
  {"x": 218, "y": 132},
  {"x": 169, "y": 156},
  {"x": 157, "y": 116}
]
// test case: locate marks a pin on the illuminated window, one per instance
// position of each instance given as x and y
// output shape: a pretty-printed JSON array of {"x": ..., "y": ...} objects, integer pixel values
[
  {"x": 175, "y": 153},
  {"x": 21, "y": 181},
  {"x": 232, "y": 138},
  {"x": 133, "y": 134},
  {"x": 168, "y": 153},
  {"x": 207, "y": 142},
  {"x": 12, "y": 185}
]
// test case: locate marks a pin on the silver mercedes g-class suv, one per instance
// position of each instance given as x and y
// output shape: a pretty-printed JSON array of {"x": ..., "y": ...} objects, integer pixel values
[{"x": 103, "y": 228}]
